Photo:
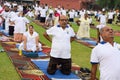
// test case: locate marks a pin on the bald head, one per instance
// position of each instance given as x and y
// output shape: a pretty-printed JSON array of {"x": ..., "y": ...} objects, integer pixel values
[
  {"x": 63, "y": 21},
  {"x": 107, "y": 33},
  {"x": 104, "y": 28},
  {"x": 63, "y": 17}
]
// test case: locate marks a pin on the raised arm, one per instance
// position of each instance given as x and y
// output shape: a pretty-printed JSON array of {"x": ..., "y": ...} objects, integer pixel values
[{"x": 47, "y": 37}]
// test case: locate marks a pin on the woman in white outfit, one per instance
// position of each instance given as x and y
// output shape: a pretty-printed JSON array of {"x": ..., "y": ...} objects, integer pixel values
[{"x": 30, "y": 41}]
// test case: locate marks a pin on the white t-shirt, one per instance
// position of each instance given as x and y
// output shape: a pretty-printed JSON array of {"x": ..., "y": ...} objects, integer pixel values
[
  {"x": 71, "y": 14},
  {"x": 20, "y": 24},
  {"x": 110, "y": 15},
  {"x": 61, "y": 46},
  {"x": 103, "y": 19},
  {"x": 63, "y": 12},
  {"x": 43, "y": 12},
  {"x": 108, "y": 57},
  {"x": 6, "y": 16}
]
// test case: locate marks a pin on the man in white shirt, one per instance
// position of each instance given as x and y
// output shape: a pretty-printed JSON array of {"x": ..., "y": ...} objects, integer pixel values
[
  {"x": 62, "y": 35},
  {"x": 110, "y": 16},
  {"x": 107, "y": 55},
  {"x": 103, "y": 18},
  {"x": 71, "y": 15}
]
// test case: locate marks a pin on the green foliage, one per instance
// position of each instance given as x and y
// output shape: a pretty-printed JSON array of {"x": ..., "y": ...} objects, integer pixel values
[{"x": 109, "y": 4}]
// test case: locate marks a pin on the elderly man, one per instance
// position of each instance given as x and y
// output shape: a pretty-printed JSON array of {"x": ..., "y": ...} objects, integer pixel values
[
  {"x": 107, "y": 55},
  {"x": 62, "y": 34}
]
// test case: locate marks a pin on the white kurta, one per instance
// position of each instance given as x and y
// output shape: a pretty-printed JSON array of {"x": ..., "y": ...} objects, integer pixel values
[
  {"x": 108, "y": 57},
  {"x": 61, "y": 41},
  {"x": 31, "y": 43},
  {"x": 84, "y": 29}
]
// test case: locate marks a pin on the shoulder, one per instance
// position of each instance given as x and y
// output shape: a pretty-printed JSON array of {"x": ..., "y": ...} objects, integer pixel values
[
  {"x": 98, "y": 47},
  {"x": 25, "y": 33},
  {"x": 35, "y": 33}
]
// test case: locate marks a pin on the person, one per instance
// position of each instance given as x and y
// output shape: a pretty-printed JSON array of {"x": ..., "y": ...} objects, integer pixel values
[
  {"x": 107, "y": 55},
  {"x": 30, "y": 41},
  {"x": 110, "y": 16},
  {"x": 103, "y": 18},
  {"x": 49, "y": 21},
  {"x": 21, "y": 23},
  {"x": 84, "y": 29},
  {"x": 62, "y": 34},
  {"x": 118, "y": 18},
  {"x": 56, "y": 17},
  {"x": 98, "y": 27}
]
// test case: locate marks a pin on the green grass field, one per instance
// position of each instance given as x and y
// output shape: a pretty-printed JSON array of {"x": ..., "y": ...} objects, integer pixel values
[{"x": 80, "y": 53}]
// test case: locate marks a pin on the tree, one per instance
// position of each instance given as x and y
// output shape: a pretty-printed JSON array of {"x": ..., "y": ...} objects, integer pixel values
[{"x": 109, "y": 4}]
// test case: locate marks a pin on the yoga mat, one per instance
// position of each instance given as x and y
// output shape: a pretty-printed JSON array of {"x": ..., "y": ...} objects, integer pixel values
[
  {"x": 42, "y": 65},
  {"x": 90, "y": 41},
  {"x": 41, "y": 54}
]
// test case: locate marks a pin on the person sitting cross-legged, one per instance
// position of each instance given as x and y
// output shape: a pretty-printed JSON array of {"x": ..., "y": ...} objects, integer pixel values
[{"x": 30, "y": 45}]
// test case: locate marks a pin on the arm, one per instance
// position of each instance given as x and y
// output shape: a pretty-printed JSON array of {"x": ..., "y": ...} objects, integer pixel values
[
  {"x": 47, "y": 37},
  {"x": 72, "y": 39},
  {"x": 37, "y": 43},
  {"x": 93, "y": 71},
  {"x": 25, "y": 42},
  {"x": 98, "y": 35},
  {"x": 78, "y": 22}
]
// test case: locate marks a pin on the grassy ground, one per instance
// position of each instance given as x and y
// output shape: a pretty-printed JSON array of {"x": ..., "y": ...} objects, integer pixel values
[
  {"x": 80, "y": 53},
  {"x": 7, "y": 70}
]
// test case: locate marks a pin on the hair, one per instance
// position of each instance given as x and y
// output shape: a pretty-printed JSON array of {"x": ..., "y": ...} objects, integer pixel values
[
  {"x": 30, "y": 26},
  {"x": 101, "y": 30},
  {"x": 62, "y": 15}
]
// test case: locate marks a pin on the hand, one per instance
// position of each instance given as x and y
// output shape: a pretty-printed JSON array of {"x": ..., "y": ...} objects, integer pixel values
[
  {"x": 37, "y": 48},
  {"x": 25, "y": 48}
]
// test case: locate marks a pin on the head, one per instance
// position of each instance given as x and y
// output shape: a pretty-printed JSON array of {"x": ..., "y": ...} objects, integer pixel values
[
  {"x": 31, "y": 29},
  {"x": 50, "y": 15},
  {"x": 7, "y": 9},
  {"x": 15, "y": 8},
  {"x": 63, "y": 21},
  {"x": 107, "y": 33},
  {"x": 86, "y": 15},
  {"x": 20, "y": 14}
]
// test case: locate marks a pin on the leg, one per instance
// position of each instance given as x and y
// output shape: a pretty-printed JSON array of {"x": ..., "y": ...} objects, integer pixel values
[
  {"x": 66, "y": 66},
  {"x": 52, "y": 67}
]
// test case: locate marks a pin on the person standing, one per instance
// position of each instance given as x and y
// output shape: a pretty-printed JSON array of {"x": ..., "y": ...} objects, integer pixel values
[
  {"x": 107, "y": 55},
  {"x": 49, "y": 21},
  {"x": 103, "y": 18},
  {"x": 62, "y": 35},
  {"x": 84, "y": 29},
  {"x": 21, "y": 24}
]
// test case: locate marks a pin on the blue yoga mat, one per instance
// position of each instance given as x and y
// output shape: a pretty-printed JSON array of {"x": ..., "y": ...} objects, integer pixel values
[
  {"x": 4, "y": 32},
  {"x": 40, "y": 53},
  {"x": 90, "y": 41},
  {"x": 42, "y": 65}
]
